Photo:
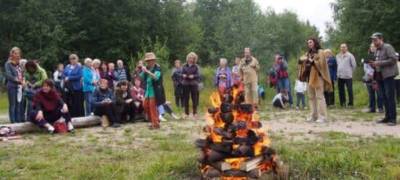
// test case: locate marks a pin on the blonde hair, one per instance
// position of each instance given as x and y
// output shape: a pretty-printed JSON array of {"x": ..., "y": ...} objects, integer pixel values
[
  {"x": 328, "y": 51},
  {"x": 223, "y": 60},
  {"x": 13, "y": 49},
  {"x": 96, "y": 61},
  {"x": 88, "y": 60},
  {"x": 192, "y": 55}
]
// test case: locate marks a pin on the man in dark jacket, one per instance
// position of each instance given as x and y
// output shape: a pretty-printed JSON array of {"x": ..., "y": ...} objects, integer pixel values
[{"x": 386, "y": 65}]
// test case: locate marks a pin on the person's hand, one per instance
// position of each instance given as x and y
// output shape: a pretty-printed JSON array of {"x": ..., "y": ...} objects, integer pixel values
[
  {"x": 128, "y": 101},
  {"x": 191, "y": 76},
  {"x": 64, "y": 108},
  {"x": 144, "y": 69},
  {"x": 39, "y": 116},
  {"x": 184, "y": 75}
]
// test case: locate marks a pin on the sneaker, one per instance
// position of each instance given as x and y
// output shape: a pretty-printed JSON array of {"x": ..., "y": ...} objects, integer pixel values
[
  {"x": 70, "y": 127},
  {"x": 381, "y": 111},
  {"x": 310, "y": 119},
  {"x": 175, "y": 116},
  {"x": 391, "y": 124},
  {"x": 297, "y": 108},
  {"x": 116, "y": 125},
  {"x": 383, "y": 121},
  {"x": 320, "y": 121},
  {"x": 162, "y": 119},
  {"x": 49, "y": 128}
]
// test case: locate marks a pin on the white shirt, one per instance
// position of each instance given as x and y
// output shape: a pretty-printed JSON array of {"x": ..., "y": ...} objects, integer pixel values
[{"x": 300, "y": 87}]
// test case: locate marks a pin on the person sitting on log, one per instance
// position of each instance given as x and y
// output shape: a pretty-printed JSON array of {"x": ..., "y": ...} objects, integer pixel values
[
  {"x": 123, "y": 102},
  {"x": 137, "y": 94},
  {"x": 48, "y": 107},
  {"x": 103, "y": 101}
]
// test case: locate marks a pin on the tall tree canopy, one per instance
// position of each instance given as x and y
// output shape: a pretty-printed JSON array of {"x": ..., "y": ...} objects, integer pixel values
[{"x": 111, "y": 29}]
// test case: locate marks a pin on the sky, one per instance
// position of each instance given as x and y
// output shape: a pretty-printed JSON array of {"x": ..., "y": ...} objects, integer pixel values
[{"x": 317, "y": 12}]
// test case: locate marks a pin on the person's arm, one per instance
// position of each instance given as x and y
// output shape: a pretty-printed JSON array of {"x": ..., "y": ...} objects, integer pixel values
[
  {"x": 8, "y": 73},
  {"x": 42, "y": 78},
  {"x": 392, "y": 59},
  {"x": 216, "y": 77},
  {"x": 353, "y": 62},
  {"x": 87, "y": 76},
  {"x": 256, "y": 65}
]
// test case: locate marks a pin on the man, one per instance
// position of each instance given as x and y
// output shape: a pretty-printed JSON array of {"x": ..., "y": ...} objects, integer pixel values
[
  {"x": 121, "y": 72},
  {"x": 386, "y": 66},
  {"x": 346, "y": 65},
  {"x": 248, "y": 73}
]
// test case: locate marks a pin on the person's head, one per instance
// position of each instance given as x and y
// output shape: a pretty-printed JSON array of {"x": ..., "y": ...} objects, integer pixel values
[
  {"x": 96, "y": 63},
  {"x": 191, "y": 58},
  {"x": 140, "y": 63},
  {"x": 111, "y": 66},
  {"x": 247, "y": 52},
  {"x": 88, "y": 62},
  {"x": 313, "y": 44},
  {"x": 372, "y": 48},
  {"x": 278, "y": 58},
  {"x": 343, "y": 48},
  {"x": 48, "y": 85},
  {"x": 377, "y": 39},
  {"x": 137, "y": 82},
  {"x": 60, "y": 67},
  {"x": 103, "y": 84},
  {"x": 328, "y": 53},
  {"x": 15, "y": 54},
  {"x": 73, "y": 59},
  {"x": 237, "y": 60},
  {"x": 223, "y": 62},
  {"x": 104, "y": 66},
  {"x": 120, "y": 64},
  {"x": 177, "y": 63},
  {"x": 150, "y": 59},
  {"x": 31, "y": 67},
  {"x": 123, "y": 85}
]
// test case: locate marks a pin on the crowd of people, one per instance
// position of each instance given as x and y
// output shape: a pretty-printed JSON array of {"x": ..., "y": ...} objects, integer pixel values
[{"x": 105, "y": 89}]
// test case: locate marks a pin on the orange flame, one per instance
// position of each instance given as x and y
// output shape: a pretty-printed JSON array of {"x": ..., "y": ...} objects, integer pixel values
[{"x": 215, "y": 99}]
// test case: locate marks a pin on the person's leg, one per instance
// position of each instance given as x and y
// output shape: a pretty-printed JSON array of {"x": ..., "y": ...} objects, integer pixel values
[
  {"x": 254, "y": 92},
  {"x": 390, "y": 84},
  {"x": 349, "y": 85},
  {"x": 342, "y": 97},
  {"x": 80, "y": 102},
  {"x": 379, "y": 99},
  {"x": 384, "y": 99},
  {"x": 332, "y": 94},
  {"x": 298, "y": 96},
  {"x": 397, "y": 91},
  {"x": 153, "y": 114},
  {"x": 321, "y": 103},
  {"x": 186, "y": 93},
  {"x": 167, "y": 109},
  {"x": 12, "y": 104},
  {"x": 313, "y": 103},
  {"x": 303, "y": 100},
  {"x": 195, "y": 93},
  {"x": 371, "y": 96},
  {"x": 289, "y": 88},
  {"x": 87, "y": 103}
]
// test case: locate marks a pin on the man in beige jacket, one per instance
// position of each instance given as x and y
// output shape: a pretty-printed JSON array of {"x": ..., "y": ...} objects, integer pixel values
[{"x": 248, "y": 72}]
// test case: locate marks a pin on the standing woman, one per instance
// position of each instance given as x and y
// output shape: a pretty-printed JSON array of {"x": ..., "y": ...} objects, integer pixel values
[
  {"x": 190, "y": 81},
  {"x": 90, "y": 80},
  {"x": 317, "y": 74},
  {"x": 332, "y": 64},
  {"x": 73, "y": 84},
  {"x": 223, "y": 76},
  {"x": 15, "y": 82}
]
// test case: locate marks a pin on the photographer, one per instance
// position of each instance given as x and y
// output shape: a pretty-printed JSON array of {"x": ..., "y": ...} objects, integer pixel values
[
  {"x": 386, "y": 66},
  {"x": 370, "y": 79}
]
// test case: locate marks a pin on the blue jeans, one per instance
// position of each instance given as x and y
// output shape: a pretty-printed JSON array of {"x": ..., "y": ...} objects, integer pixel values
[
  {"x": 300, "y": 98},
  {"x": 88, "y": 103},
  {"x": 388, "y": 86},
  {"x": 16, "y": 110},
  {"x": 375, "y": 97}
]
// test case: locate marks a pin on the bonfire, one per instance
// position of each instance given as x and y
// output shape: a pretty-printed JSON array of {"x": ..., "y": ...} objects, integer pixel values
[{"x": 235, "y": 147}]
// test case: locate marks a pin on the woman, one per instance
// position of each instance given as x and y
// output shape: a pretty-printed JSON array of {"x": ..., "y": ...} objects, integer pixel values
[
  {"x": 154, "y": 92},
  {"x": 177, "y": 81},
  {"x": 222, "y": 79},
  {"x": 90, "y": 80},
  {"x": 317, "y": 74},
  {"x": 73, "y": 86},
  {"x": 104, "y": 74},
  {"x": 48, "y": 107},
  {"x": 96, "y": 66},
  {"x": 34, "y": 78},
  {"x": 190, "y": 81},
  {"x": 236, "y": 72},
  {"x": 332, "y": 64},
  {"x": 123, "y": 102},
  {"x": 15, "y": 82},
  {"x": 103, "y": 102}
]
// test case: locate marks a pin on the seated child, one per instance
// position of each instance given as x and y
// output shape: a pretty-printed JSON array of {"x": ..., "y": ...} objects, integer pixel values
[
  {"x": 123, "y": 102},
  {"x": 137, "y": 94},
  {"x": 280, "y": 99},
  {"x": 166, "y": 107},
  {"x": 103, "y": 101},
  {"x": 48, "y": 107}
]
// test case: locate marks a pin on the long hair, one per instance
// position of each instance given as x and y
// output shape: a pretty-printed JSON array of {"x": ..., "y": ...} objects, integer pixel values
[{"x": 317, "y": 45}]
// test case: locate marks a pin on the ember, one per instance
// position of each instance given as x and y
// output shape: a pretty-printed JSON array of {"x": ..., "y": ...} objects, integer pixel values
[{"x": 235, "y": 147}]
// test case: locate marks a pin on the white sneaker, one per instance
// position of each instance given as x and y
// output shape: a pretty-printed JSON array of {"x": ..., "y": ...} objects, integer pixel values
[
  {"x": 175, "y": 116},
  {"x": 320, "y": 121},
  {"x": 70, "y": 126},
  {"x": 162, "y": 119},
  {"x": 310, "y": 119},
  {"x": 49, "y": 128}
]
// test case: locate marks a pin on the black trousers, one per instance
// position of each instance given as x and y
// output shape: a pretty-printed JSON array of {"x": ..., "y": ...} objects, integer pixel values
[
  {"x": 107, "y": 110},
  {"x": 398, "y": 90},
  {"x": 388, "y": 90},
  {"x": 74, "y": 100},
  {"x": 190, "y": 91},
  {"x": 178, "y": 95},
  {"x": 342, "y": 95},
  {"x": 330, "y": 96},
  {"x": 49, "y": 117},
  {"x": 122, "y": 112}
]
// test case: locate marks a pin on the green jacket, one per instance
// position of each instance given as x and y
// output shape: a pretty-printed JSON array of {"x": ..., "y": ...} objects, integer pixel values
[{"x": 37, "y": 78}]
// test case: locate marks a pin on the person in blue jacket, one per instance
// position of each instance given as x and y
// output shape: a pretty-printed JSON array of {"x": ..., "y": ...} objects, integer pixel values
[
  {"x": 73, "y": 86},
  {"x": 90, "y": 80}
]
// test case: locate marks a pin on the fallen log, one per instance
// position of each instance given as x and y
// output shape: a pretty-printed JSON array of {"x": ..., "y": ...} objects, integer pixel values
[{"x": 79, "y": 122}]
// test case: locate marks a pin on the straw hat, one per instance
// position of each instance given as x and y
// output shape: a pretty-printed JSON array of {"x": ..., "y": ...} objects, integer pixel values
[{"x": 149, "y": 56}]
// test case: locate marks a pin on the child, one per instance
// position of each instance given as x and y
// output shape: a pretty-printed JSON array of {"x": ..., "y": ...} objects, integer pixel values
[
  {"x": 137, "y": 94},
  {"x": 103, "y": 101},
  {"x": 280, "y": 99},
  {"x": 166, "y": 107},
  {"x": 300, "y": 88},
  {"x": 58, "y": 77},
  {"x": 123, "y": 102}
]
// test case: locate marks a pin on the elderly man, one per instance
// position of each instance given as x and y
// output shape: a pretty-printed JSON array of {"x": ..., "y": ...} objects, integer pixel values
[
  {"x": 121, "y": 73},
  {"x": 346, "y": 64},
  {"x": 248, "y": 69},
  {"x": 386, "y": 67}
]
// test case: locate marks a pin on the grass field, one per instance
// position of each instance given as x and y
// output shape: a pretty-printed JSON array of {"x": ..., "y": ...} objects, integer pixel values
[{"x": 134, "y": 152}]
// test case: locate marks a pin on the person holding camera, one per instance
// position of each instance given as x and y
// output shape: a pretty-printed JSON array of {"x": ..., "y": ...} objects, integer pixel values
[
  {"x": 248, "y": 69},
  {"x": 370, "y": 79},
  {"x": 314, "y": 69},
  {"x": 386, "y": 66}
]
